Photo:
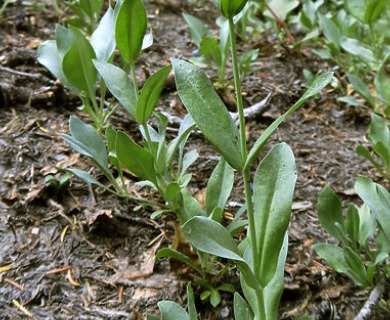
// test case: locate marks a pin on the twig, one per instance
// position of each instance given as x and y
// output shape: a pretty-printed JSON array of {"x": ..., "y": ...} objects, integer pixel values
[
  {"x": 254, "y": 110},
  {"x": 26, "y": 74},
  {"x": 375, "y": 294}
]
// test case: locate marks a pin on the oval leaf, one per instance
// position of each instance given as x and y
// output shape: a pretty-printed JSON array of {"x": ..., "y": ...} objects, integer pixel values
[
  {"x": 273, "y": 188},
  {"x": 130, "y": 28},
  {"x": 211, "y": 237},
  {"x": 208, "y": 111}
]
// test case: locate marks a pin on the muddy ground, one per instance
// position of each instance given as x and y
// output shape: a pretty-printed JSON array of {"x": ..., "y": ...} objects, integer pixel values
[{"x": 79, "y": 253}]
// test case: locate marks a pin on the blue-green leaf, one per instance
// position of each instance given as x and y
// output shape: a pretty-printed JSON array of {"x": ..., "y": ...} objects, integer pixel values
[
  {"x": 208, "y": 111},
  {"x": 273, "y": 188}
]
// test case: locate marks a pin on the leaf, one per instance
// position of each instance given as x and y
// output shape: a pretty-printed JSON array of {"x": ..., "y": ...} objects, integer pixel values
[
  {"x": 49, "y": 56},
  {"x": 150, "y": 94},
  {"x": 191, "y": 303},
  {"x": 379, "y": 131},
  {"x": 215, "y": 298},
  {"x": 356, "y": 48},
  {"x": 230, "y": 8},
  {"x": 119, "y": 84},
  {"x": 197, "y": 29},
  {"x": 171, "y": 310},
  {"x": 367, "y": 224},
  {"x": 103, "y": 38},
  {"x": 281, "y": 8},
  {"x": 130, "y": 28},
  {"x": 331, "y": 30},
  {"x": 382, "y": 86},
  {"x": 360, "y": 87},
  {"x": 208, "y": 111},
  {"x": 211, "y": 237},
  {"x": 209, "y": 47},
  {"x": 352, "y": 224},
  {"x": 330, "y": 212},
  {"x": 77, "y": 64},
  {"x": 357, "y": 269},
  {"x": 357, "y": 8},
  {"x": 242, "y": 310},
  {"x": 174, "y": 254},
  {"x": 273, "y": 188},
  {"x": 374, "y": 9},
  {"x": 86, "y": 177},
  {"x": 318, "y": 84},
  {"x": 377, "y": 199},
  {"x": 136, "y": 159},
  {"x": 219, "y": 186},
  {"x": 85, "y": 140},
  {"x": 188, "y": 159}
]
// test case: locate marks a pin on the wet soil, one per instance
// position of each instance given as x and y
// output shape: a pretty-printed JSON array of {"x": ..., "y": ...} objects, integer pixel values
[{"x": 76, "y": 252}]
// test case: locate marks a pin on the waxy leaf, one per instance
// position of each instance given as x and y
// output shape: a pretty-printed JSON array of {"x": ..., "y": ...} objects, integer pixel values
[
  {"x": 171, "y": 310},
  {"x": 219, "y": 186},
  {"x": 130, "y": 28},
  {"x": 77, "y": 64},
  {"x": 208, "y": 111},
  {"x": 273, "y": 188},
  {"x": 318, "y": 84},
  {"x": 174, "y": 254},
  {"x": 357, "y": 48},
  {"x": 136, "y": 159},
  {"x": 377, "y": 198},
  {"x": 230, "y": 8},
  {"x": 150, "y": 94},
  {"x": 197, "y": 29},
  {"x": 330, "y": 212},
  {"x": 242, "y": 310},
  {"x": 103, "y": 38},
  {"x": 85, "y": 140},
  {"x": 211, "y": 237},
  {"x": 119, "y": 84},
  {"x": 281, "y": 8}
]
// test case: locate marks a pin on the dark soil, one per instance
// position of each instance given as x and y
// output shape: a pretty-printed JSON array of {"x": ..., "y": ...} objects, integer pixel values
[{"x": 78, "y": 253}]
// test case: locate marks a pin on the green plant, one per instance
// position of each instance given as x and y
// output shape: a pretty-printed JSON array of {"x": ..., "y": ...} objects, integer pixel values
[
  {"x": 214, "y": 53},
  {"x": 71, "y": 58},
  {"x": 363, "y": 233},
  {"x": 261, "y": 256},
  {"x": 87, "y": 14},
  {"x": 379, "y": 136},
  {"x": 4, "y": 6}
]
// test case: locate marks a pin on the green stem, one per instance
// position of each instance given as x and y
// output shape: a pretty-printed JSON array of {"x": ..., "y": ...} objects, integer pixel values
[
  {"x": 133, "y": 75},
  {"x": 237, "y": 85},
  {"x": 246, "y": 172}
]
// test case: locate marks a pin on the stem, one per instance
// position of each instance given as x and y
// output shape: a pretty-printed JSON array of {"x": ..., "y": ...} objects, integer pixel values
[
  {"x": 237, "y": 85},
  {"x": 133, "y": 75},
  {"x": 246, "y": 172}
]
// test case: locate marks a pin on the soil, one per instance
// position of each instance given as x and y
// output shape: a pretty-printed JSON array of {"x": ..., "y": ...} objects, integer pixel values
[{"x": 76, "y": 252}]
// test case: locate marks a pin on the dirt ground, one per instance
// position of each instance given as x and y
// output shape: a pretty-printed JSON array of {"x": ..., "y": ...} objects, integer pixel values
[{"x": 79, "y": 253}]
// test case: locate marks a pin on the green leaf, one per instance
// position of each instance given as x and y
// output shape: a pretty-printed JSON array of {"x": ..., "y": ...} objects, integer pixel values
[
  {"x": 331, "y": 30},
  {"x": 136, "y": 159},
  {"x": 174, "y": 254},
  {"x": 103, "y": 38},
  {"x": 209, "y": 47},
  {"x": 318, "y": 84},
  {"x": 188, "y": 159},
  {"x": 119, "y": 84},
  {"x": 281, "y": 8},
  {"x": 171, "y": 310},
  {"x": 215, "y": 298},
  {"x": 208, "y": 111},
  {"x": 219, "y": 186},
  {"x": 49, "y": 56},
  {"x": 357, "y": 8},
  {"x": 230, "y": 8},
  {"x": 377, "y": 199},
  {"x": 357, "y": 269},
  {"x": 191, "y": 303},
  {"x": 85, "y": 140},
  {"x": 77, "y": 64},
  {"x": 367, "y": 226},
  {"x": 379, "y": 131},
  {"x": 130, "y": 28},
  {"x": 273, "y": 188},
  {"x": 357, "y": 48},
  {"x": 360, "y": 87},
  {"x": 150, "y": 94},
  {"x": 364, "y": 152},
  {"x": 330, "y": 212},
  {"x": 197, "y": 29},
  {"x": 382, "y": 86},
  {"x": 352, "y": 224},
  {"x": 86, "y": 177},
  {"x": 242, "y": 311},
  {"x": 374, "y": 9},
  {"x": 211, "y": 237}
]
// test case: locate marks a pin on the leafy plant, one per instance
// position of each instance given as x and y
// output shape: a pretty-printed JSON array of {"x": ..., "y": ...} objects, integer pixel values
[
  {"x": 87, "y": 14},
  {"x": 379, "y": 136},
  {"x": 261, "y": 266},
  {"x": 71, "y": 58},
  {"x": 213, "y": 53},
  {"x": 356, "y": 256}
]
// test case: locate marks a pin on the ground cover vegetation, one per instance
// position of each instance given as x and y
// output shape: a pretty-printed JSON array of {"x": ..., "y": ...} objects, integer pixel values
[{"x": 96, "y": 55}]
